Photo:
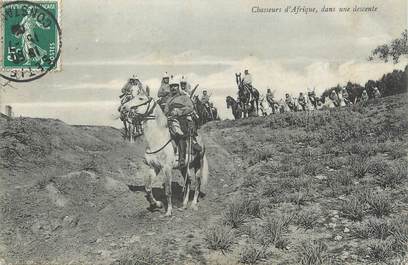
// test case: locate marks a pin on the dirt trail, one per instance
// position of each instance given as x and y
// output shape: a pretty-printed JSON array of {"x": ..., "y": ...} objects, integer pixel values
[{"x": 94, "y": 210}]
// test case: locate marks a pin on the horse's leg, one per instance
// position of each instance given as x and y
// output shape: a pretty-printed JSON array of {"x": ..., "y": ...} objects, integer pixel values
[
  {"x": 148, "y": 188},
  {"x": 167, "y": 188},
  {"x": 197, "y": 188},
  {"x": 187, "y": 188}
]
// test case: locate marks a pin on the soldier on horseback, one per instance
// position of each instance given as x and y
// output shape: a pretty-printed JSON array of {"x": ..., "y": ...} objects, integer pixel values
[
  {"x": 180, "y": 110},
  {"x": 270, "y": 99},
  {"x": 185, "y": 86},
  {"x": 247, "y": 80},
  {"x": 164, "y": 90},
  {"x": 302, "y": 101},
  {"x": 289, "y": 101}
]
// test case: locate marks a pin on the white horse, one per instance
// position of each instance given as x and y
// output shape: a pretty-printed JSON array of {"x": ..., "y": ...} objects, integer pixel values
[{"x": 160, "y": 154}]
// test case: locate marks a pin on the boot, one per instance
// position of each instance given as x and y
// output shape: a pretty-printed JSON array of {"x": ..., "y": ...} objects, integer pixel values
[{"x": 182, "y": 152}]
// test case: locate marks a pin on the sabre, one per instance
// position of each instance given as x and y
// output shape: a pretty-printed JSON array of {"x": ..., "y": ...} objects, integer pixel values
[{"x": 193, "y": 91}]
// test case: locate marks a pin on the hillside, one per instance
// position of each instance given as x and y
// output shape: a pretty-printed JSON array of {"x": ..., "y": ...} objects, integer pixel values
[{"x": 328, "y": 186}]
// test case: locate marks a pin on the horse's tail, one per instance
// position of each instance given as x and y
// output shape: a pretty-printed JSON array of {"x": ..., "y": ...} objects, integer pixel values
[{"x": 204, "y": 170}]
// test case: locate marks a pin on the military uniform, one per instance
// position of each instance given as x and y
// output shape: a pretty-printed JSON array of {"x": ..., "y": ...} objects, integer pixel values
[
  {"x": 179, "y": 110},
  {"x": 164, "y": 91},
  {"x": 302, "y": 101}
]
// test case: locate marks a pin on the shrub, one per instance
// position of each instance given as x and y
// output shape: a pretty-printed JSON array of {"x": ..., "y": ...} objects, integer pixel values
[
  {"x": 313, "y": 253},
  {"x": 252, "y": 253},
  {"x": 353, "y": 209},
  {"x": 219, "y": 237}
]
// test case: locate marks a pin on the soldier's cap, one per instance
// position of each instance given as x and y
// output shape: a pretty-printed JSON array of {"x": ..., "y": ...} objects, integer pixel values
[
  {"x": 183, "y": 80},
  {"x": 166, "y": 75}
]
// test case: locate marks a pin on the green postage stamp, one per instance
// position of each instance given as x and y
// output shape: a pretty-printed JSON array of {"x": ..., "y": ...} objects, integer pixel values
[{"x": 31, "y": 39}]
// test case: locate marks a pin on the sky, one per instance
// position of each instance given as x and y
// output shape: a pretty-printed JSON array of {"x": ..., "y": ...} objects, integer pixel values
[{"x": 106, "y": 42}]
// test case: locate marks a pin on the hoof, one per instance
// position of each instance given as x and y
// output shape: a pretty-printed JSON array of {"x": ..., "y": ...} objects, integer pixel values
[
  {"x": 168, "y": 214},
  {"x": 194, "y": 207}
]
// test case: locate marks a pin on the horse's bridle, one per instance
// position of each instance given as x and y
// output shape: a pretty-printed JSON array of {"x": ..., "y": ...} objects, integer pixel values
[{"x": 149, "y": 110}]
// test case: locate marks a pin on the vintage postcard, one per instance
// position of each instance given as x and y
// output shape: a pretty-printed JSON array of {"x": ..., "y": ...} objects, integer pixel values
[{"x": 203, "y": 132}]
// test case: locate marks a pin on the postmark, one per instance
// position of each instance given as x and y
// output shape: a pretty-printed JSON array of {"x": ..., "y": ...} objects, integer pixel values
[{"x": 31, "y": 39}]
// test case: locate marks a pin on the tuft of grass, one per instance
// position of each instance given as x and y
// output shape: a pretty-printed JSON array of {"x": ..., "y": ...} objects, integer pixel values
[
  {"x": 240, "y": 209},
  {"x": 372, "y": 228},
  {"x": 307, "y": 219},
  {"x": 219, "y": 237},
  {"x": 380, "y": 250},
  {"x": 359, "y": 166},
  {"x": 252, "y": 253},
  {"x": 312, "y": 168},
  {"x": 353, "y": 209},
  {"x": 399, "y": 231},
  {"x": 313, "y": 253},
  {"x": 142, "y": 256},
  {"x": 274, "y": 230},
  {"x": 392, "y": 176},
  {"x": 380, "y": 204}
]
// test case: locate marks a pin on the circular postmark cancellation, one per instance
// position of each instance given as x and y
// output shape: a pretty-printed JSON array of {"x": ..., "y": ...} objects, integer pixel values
[{"x": 30, "y": 40}]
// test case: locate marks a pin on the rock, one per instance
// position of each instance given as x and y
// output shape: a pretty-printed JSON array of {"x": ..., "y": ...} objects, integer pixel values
[
  {"x": 321, "y": 177},
  {"x": 332, "y": 225},
  {"x": 69, "y": 221},
  {"x": 225, "y": 186},
  {"x": 222, "y": 180},
  {"x": 338, "y": 238},
  {"x": 134, "y": 239},
  {"x": 345, "y": 255},
  {"x": 346, "y": 230}
]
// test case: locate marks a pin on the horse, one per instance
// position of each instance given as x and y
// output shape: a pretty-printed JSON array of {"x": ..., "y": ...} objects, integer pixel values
[
  {"x": 203, "y": 115},
  {"x": 160, "y": 155},
  {"x": 247, "y": 96},
  {"x": 235, "y": 106}
]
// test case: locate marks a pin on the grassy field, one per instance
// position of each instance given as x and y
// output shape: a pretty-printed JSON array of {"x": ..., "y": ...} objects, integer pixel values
[
  {"x": 318, "y": 188},
  {"x": 323, "y": 187}
]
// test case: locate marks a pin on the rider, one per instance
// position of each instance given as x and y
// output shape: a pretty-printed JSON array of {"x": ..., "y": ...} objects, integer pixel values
[
  {"x": 302, "y": 101},
  {"x": 127, "y": 89},
  {"x": 335, "y": 98},
  {"x": 377, "y": 93},
  {"x": 289, "y": 101},
  {"x": 185, "y": 86},
  {"x": 164, "y": 90},
  {"x": 179, "y": 110},
  {"x": 364, "y": 95},
  {"x": 205, "y": 99},
  {"x": 247, "y": 81},
  {"x": 346, "y": 97},
  {"x": 270, "y": 99}
]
